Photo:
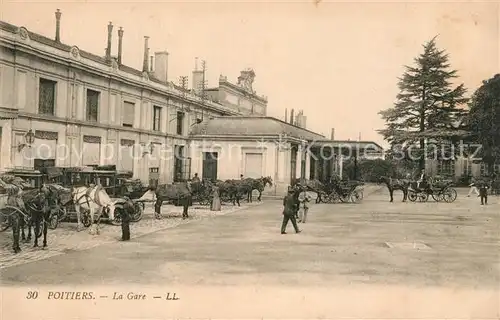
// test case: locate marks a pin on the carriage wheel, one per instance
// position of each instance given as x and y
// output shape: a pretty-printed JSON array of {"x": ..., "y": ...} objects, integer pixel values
[
  {"x": 345, "y": 199},
  {"x": 118, "y": 217},
  {"x": 329, "y": 198},
  {"x": 360, "y": 194},
  {"x": 449, "y": 195},
  {"x": 423, "y": 197},
  {"x": 412, "y": 196},
  {"x": 356, "y": 196},
  {"x": 438, "y": 196},
  {"x": 137, "y": 216}
]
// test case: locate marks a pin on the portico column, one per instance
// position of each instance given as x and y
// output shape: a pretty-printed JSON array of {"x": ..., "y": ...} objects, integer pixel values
[
  {"x": 308, "y": 164},
  {"x": 298, "y": 165},
  {"x": 341, "y": 164}
]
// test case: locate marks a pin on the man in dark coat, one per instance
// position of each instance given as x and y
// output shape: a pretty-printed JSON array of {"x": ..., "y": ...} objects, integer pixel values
[
  {"x": 290, "y": 209},
  {"x": 128, "y": 211},
  {"x": 483, "y": 192}
]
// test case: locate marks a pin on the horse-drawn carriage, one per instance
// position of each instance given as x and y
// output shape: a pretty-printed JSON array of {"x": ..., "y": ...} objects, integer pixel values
[
  {"x": 25, "y": 179},
  {"x": 64, "y": 179},
  {"x": 439, "y": 190},
  {"x": 341, "y": 191},
  {"x": 112, "y": 181}
]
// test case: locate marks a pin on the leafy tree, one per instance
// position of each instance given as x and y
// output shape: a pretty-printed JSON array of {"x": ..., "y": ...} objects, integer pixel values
[
  {"x": 427, "y": 107},
  {"x": 369, "y": 170},
  {"x": 484, "y": 119}
]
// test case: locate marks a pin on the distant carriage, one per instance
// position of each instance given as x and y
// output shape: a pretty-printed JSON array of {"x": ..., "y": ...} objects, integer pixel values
[
  {"x": 335, "y": 190},
  {"x": 439, "y": 190}
]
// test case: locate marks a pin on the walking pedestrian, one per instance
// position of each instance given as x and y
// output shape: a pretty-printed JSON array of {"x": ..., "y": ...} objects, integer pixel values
[
  {"x": 304, "y": 199},
  {"x": 289, "y": 211},
  {"x": 483, "y": 192},
  {"x": 473, "y": 187},
  {"x": 128, "y": 211}
]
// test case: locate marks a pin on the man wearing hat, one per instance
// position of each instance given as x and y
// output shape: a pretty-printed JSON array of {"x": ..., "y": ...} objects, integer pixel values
[
  {"x": 128, "y": 211},
  {"x": 289, "y": 211},
  {"x": 304, "y": 199}
]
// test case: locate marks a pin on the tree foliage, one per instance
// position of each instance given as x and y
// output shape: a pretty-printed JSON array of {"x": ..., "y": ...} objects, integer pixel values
[
  {"x": 369, "y": 170},
  {"x": 427, "y": 107},
  {"x": 484, "y": 119}
]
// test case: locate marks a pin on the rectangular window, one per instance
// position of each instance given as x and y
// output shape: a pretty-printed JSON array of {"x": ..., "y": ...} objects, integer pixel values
[
  {"x": 92, "y": 112},
  {"x": 156, "y": 118},
  {"x": 154, "y": 175},
  {"x": 178, "y": 163},
  {"x": 467, "y": 167},
  {"x": 180, "y": 122},
  {"x": 446, "y": 168},
  {"x": 46, "y": 96},
  {"x": 128, "y": 114}
]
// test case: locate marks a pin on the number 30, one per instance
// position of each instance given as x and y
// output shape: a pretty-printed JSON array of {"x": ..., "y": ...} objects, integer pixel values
[{"x": 32, "y": 295}]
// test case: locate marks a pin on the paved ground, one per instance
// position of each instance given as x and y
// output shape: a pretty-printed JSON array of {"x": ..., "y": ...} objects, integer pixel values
[
  {"x": 66, "y": 239},
  {"x": 376, "y": 243}
]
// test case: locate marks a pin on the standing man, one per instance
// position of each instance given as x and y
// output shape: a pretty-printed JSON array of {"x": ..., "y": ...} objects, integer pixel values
[
  {"x": 195, "y": 178},
  {"x": 483, "y": 192},
  {"x": 128, "y": 211},
  {"x": 304, "y": 199},
  {"x": 422, "y": 181},
  {"x": 289, "y": 211}
]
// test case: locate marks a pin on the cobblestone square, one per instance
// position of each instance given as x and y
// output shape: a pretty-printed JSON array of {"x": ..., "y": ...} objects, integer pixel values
[{"x": 374, "y": 242}]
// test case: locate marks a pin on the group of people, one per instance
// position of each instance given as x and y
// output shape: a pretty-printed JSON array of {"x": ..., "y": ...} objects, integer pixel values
[
  {"x": 480, "y": 187},
  {"x": 295, "y": 207}
]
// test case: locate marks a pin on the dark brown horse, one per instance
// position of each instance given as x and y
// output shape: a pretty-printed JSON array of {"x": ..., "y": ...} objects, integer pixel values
[
  {"x": 179, "y": 193},
  {"x": 38, "y": 204},
  {"x": 259, "y": 185},
  {"x": 396, "y": 184},
  {"x": 315, "y": 186},
  {"x": 234, "y": 190},
  {"x": 27, "y": 208}
]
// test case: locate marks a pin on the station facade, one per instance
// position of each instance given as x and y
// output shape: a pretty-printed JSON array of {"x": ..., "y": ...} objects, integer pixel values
[{"x": 66, "y": 107}]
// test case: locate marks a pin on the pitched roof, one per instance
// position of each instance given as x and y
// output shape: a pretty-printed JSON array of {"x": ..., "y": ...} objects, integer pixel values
[
  {"x": 250, "y": 126},
  {"x": 341, "y": 143}
]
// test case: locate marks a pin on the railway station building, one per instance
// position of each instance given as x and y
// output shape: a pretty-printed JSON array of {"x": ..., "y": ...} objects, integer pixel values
[{"x": 63, "y": 106}]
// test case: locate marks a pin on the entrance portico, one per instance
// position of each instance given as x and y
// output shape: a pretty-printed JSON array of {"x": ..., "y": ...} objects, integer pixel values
[{"x": 326, "y": 157}]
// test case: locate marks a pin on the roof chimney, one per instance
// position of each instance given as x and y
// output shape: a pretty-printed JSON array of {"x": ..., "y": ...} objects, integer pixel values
[
  {"x": 286, "y": 115},
  {"x": 197, "y": 78},
  {"x": 108, "y": 48},
  {"x": 151, "y": 64},
  {"x": 291, "y": 116},
  {"x": 332, "y": 135},
  {"x": 161, "y": 66},
  {"x": 146, "y": 54},
  {"x": 120, "y": 39},
  {"x": 58, "y": 25}
]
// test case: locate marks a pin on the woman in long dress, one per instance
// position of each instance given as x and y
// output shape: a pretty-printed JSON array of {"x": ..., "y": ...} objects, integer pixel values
[{"x": 216, "y": 205}]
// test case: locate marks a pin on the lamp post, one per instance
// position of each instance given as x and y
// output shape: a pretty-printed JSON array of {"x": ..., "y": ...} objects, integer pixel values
[{"x": 29, "y": 137}]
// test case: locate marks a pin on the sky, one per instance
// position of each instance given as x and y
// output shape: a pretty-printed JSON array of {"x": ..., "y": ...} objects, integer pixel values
[{"x": 339, "y": 62}]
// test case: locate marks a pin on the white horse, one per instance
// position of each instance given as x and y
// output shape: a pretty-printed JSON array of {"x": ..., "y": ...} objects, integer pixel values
[{"x": 94, "y": 199}]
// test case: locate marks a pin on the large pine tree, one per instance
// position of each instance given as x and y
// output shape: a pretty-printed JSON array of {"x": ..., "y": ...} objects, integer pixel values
[
  {"x": 484, "y": 120},
  {"x": 427, "y": 107}
]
